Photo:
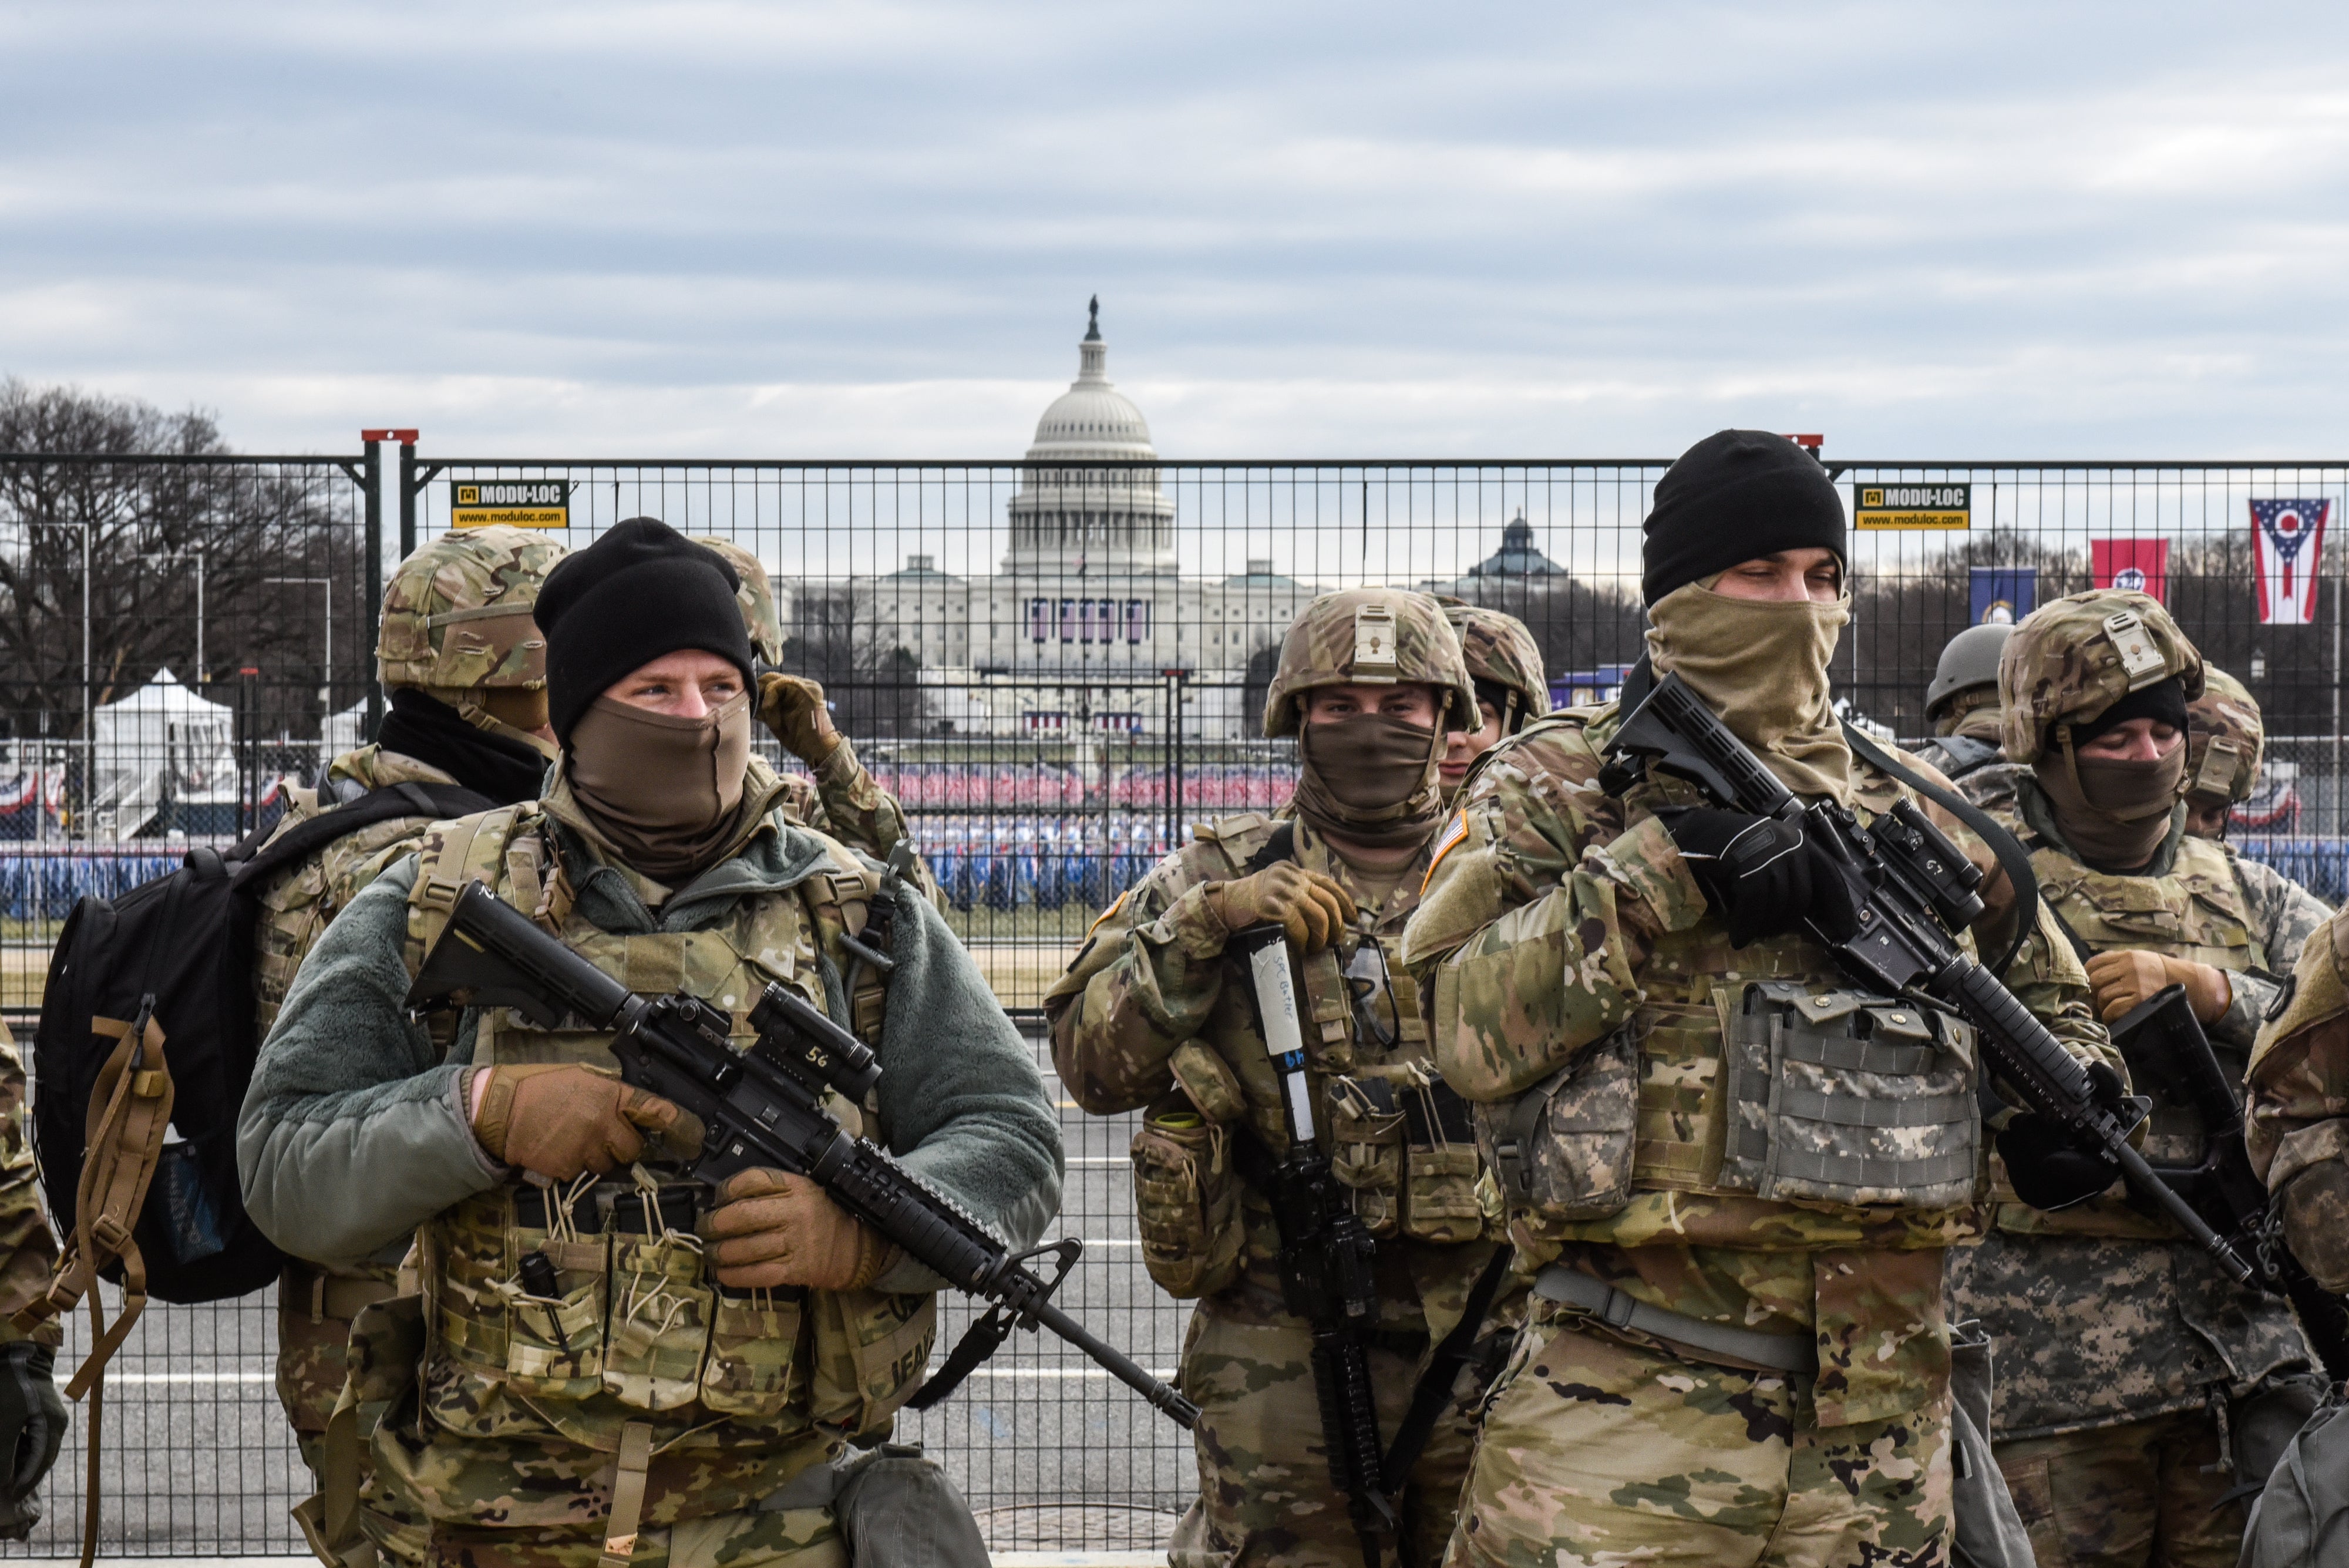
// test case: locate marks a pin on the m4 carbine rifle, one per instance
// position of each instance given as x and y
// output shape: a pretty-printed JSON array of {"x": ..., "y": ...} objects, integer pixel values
[
  {"x": 764, "y": 1108},
  {"x": 2162, "y": 1036},
  {"x": 1910, "y": 888},
  {"x": 1326, "y": 1253}
]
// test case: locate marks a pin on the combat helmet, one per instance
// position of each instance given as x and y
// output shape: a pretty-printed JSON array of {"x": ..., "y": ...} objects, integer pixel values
[
  {"x": 2224, "y": 738},
  {"x": 2071, "y": 660},
  {"x": 754, "y": 593},
  {"x": 1376, "y": 636},
  {"x": 1967, "y": 667},
  {"x": 1501, "y": 651},
  {"x": 457, "y": 613}
]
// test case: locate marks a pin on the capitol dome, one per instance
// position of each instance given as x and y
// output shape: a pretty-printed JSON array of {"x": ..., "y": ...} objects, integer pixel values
[{"x": 1092, "y": 520}]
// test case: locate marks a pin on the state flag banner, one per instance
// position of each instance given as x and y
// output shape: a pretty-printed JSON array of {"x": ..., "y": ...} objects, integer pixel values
[
  {"x": 2139, "y": 564},
  {"x": 2002, "y": 594},
  {"x": 2288, "y": 549}
]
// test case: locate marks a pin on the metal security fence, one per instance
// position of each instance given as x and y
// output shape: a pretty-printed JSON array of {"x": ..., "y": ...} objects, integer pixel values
[{"x": 1058, "y": 665}]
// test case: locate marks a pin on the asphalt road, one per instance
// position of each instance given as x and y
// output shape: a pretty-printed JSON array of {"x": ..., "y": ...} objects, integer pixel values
[{"x": 1050, "y": 1451}]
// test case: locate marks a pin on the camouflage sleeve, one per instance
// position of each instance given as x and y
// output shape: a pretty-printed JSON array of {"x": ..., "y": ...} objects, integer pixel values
[
  {"x": 28, "y": 1250},
  {"x": 1144, "y": 982},
  {"x": 2296, "y": 1092},
  {"x": 852, "y": 807},
  {"x": 1538, "y": 916},
  {"x": 2284, "y": 915}
]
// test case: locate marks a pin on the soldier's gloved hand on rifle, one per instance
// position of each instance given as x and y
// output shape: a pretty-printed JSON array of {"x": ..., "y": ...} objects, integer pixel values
[
  {"x": 2046, "y": 1166},
  {"x": 32, "y": 1428},
  {"x": 561, "y": 1119},
  {"x": 1311, "y": 907},
  {"x": 792, "y": 706},
  {"x": 1763, "y": 875},
  {"x": 772, "y": 1229},
  {"x": 2126, "y": 977},
  {"x": 2316, "y": 1222}
]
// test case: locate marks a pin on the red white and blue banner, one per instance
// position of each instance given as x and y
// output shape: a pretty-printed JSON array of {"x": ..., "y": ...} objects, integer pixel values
[
  {"x": 2139, "y": 564},
  {"x": 2288, "y": 545}
]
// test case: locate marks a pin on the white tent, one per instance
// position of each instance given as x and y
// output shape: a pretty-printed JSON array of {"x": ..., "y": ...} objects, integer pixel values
[{"x": 161, "y": 742}]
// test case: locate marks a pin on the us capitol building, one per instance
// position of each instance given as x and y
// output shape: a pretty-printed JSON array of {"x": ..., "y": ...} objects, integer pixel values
[{"x": 1090, "y": 614}]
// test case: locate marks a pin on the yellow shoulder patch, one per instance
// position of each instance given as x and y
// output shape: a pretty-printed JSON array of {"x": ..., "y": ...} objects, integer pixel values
[{"x": 1103, "y": 918}]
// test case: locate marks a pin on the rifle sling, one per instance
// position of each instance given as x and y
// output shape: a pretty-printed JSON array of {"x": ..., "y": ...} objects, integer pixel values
[
  {"x": 1434, "y": 1390},
  {"x": 2011, "y": 857}
]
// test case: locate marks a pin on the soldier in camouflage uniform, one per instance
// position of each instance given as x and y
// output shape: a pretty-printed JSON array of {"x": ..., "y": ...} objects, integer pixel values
[
  {"x": 1512, "y": 691},
  {"x": 2124, "y": 1356},
  {"x": 700, "y": 1355},
  {"x": 465, "y": 671},
  {"x": 32, "y": 1413},
  {"x": 1961, "y": 704},
  {"x": 1152, "y": 1016},
  {"x": 2225, "y": 741},
  {"x": 835, "y": 796},
  {"x": 1736, "y": 1350},
  {"x": 2296, "y": 1122}
]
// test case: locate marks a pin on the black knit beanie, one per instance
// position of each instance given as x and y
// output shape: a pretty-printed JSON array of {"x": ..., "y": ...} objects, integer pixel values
[
  {"x": 1735, "y": 496},
  {"x": 2164, "y": 703},
  {"x": 642, "y": 590}
]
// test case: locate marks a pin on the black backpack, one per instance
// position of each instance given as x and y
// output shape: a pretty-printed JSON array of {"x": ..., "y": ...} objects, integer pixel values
[{"x": 179, "y": 950}]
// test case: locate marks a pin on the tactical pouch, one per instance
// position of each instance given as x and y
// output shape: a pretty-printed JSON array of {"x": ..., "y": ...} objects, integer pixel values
[
  {"x": 1186, "y": 1198},
  {"x": 1440, "y": 1165},
  {"x": 754, "y": 1340},
  {"x": 1366, "y": 1134},
  {"x": 1562, "y": 1151},
  {"x": 1839, "y": 1097},
  {"x": 555, "y": 1344},
  {"x": 869, "y": 1347},
  {"x": 661, "y": 1304},
  {"x": 1208, "y": 1080}
]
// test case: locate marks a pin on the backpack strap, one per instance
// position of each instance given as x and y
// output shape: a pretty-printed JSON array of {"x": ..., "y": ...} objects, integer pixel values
[
  {"x": 2012, "y": 858},
  {"x": 1278, "y": 845},
  {"x": 435, "y": 802}
]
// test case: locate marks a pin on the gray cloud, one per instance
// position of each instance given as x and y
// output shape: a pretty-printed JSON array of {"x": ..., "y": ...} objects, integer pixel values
[{"x": 1519, "y": 229}]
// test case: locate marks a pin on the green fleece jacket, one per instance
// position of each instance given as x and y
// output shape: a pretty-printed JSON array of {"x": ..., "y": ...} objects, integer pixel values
[{"x": 352, "y": 1134}]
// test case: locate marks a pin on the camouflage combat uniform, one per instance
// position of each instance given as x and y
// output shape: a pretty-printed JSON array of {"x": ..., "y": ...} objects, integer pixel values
[
  {"x": 499, "y": 1427},
  {"x": 456, "y": 623},
  {"x": 1151, "y": 1016},
  {"x": 28, "y": 1251},
  {"x": 2120, "y": 1343},
  {"x": 2296, "y": 1120},
  {"x": 1600, "y": 1036}
]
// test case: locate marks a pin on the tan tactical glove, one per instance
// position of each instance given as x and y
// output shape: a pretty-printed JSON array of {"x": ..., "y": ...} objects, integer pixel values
[
  {"x": 2125, "y": 978},
  {"x": 1309, "y": 905},
  {"x": 561, "y": 1119},
  {"x": 772, "y": 1229},
  {"x": 792, "y": 706}
]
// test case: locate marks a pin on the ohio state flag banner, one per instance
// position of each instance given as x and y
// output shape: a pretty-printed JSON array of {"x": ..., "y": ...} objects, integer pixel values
[
  {"x": 2288, "y": 545},
  {"x": 2139, "y": 564}
]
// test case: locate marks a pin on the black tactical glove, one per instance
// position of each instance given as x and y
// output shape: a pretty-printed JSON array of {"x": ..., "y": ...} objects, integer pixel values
[
  {"x": 32, "y": 1429},
  {"x": 1763, "y": 874},
  {"x": 2049, "y": 1166}
]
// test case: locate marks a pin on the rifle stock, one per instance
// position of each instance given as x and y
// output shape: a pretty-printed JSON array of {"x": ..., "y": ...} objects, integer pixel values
[{"x": 764, "y": 1108}]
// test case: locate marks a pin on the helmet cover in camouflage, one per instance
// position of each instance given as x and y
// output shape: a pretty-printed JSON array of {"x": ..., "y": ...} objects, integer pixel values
[
  {"x": 457, "y": 613},
  {"x": 1370, "y": 636},
  {"x": 2224, "y": 738},
  {"x": 756, "y": 595},
  {"x": 2071, "y": 660},
  {"x": 1499, "y": 648},
  {"x": 1970, "y": 660}
]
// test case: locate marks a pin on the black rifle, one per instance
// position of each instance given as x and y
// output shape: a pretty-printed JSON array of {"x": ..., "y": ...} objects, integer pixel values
[
  {"x": 2162, "y": 1038},
  {"x": 1326, "y": 1254},
  {"x": 1912, "y": 888},
  {"x": 764, "y": 1108}
]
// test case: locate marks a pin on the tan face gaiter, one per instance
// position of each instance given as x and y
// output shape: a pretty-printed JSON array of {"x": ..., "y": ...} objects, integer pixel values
[
  {"x": 1370, "y": 778},
  {"x": 661, "y": 790},
  {"x": 1762, "y": 665},
  {"x": 2115, "y": 812}
]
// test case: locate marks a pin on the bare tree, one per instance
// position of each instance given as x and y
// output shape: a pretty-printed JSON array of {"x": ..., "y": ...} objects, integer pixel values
[{"x": 873, "y": 680}]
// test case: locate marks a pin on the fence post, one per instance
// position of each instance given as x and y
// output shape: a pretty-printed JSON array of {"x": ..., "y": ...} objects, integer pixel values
[
  {"x": 408, "y": 488},
  {"x": 372, "y": 484}
]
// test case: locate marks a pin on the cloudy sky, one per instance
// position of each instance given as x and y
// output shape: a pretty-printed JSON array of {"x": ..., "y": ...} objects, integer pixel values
[{"x": 1976, "y": 231}]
